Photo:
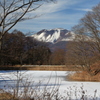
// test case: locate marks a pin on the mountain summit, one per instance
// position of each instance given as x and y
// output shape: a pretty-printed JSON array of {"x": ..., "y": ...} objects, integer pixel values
[
  {"x": 54, "y": 35},
  {"x": 57, "y": 38}
]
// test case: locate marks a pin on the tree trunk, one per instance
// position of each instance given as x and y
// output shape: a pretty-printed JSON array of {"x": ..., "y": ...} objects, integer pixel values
[
  {"x": 0, "y": 45},
  {"x": 21, "y": 61}
]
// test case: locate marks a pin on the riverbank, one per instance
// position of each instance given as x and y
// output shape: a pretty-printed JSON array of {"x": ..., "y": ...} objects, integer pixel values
[
  {"x": 41, "y": 67},
  {"x": 80, "y": 75}
]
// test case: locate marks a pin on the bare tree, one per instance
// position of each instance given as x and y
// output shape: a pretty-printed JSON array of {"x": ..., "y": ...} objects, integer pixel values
[
  {"x": 91, "y": 24},
  {"x": 58, "y": 57},
  {"x": 81, "y": 54},
  {"x": 86, "y": 48},
  {"x": 14, "y": 11}
]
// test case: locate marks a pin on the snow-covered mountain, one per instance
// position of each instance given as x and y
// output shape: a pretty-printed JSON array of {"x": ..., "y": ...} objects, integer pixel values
[
  {"x": 58, "y": 38},
  {"x": 54, "y": 35}
]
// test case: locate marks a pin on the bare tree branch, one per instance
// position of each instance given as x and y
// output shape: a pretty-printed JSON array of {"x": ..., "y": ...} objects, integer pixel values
[{"x": 14, "y": 11}]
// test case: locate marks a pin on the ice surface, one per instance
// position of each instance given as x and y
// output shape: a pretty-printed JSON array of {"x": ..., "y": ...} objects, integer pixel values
[{"x": 51, "y": 78}]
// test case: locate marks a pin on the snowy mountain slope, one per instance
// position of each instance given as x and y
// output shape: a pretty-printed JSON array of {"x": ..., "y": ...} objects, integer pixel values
[
  {"x": 54, "y": 35},
  {"x": 58, "y": 38}
]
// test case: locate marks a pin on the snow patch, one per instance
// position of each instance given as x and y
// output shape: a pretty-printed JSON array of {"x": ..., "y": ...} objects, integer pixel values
[{"x": 54, "y": 35}]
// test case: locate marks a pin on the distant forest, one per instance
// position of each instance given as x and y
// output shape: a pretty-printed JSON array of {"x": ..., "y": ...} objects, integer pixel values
[{"x": 19, "y": 49}]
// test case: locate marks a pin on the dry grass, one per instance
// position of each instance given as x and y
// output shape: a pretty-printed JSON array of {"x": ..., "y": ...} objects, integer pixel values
[
  {"x": 6, "y": 96},
  {"x": 84, "y": 76},
  {"x": 41, "y": 67}
]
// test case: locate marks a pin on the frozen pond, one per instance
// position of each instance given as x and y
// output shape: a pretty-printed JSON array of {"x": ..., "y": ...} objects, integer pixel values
[{"x": 50, "y": 80}]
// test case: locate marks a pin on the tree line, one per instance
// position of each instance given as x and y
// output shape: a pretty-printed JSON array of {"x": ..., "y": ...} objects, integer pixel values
[
  {"x": 20, "y": 49},
  {"x": 17, "y": 48}
]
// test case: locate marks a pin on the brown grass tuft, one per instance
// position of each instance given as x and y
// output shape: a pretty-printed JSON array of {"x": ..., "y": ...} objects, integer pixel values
[
  {"x": 6, "y": 96},
  {"x": 84, "y": 76}
]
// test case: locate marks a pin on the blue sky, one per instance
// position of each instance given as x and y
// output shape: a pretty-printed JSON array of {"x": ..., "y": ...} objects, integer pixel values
[{"x": 62, "y": 14}]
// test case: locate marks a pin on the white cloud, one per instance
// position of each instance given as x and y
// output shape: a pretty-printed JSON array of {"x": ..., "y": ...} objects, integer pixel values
[
  {"x": 54, "y": 7},
  {"x": 49, "y": 21},
  {"x": 84, "y": 9}
]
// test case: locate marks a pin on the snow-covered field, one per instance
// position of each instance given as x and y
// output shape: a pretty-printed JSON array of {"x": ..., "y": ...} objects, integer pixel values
[{"x": 51, "y": 80}]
